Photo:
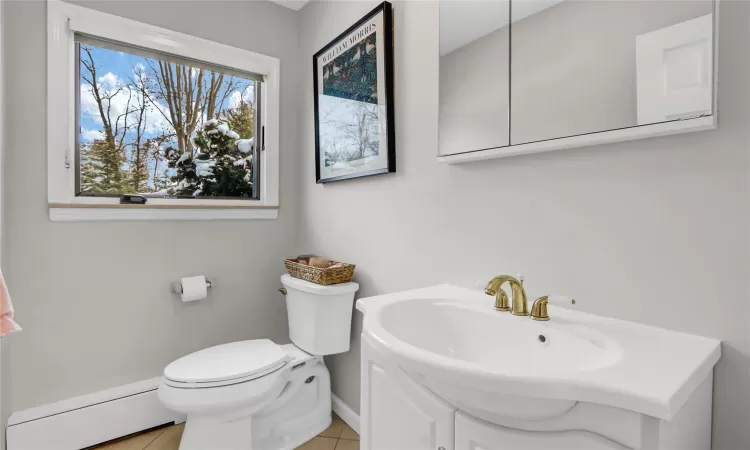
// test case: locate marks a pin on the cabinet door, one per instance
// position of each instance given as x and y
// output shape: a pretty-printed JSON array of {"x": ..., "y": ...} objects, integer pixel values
[
  {"x": 474, "y": 75},
  {"x": 398, "y": 414},
  {"x": 581, "y": 67},
  {"x": 474, "y": 434}
]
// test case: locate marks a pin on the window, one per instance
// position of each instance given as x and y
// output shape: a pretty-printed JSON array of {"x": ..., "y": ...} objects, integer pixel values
[
  {"x": 191, "y": 125},
  {"x": 157, "y": 126}
]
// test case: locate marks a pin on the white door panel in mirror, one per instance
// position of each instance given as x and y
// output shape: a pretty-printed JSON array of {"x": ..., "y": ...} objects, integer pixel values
[
  {"x": 582, "y": 67},
  {"x": 675, "y": 76},
  {"x": 474, "y": 75}
]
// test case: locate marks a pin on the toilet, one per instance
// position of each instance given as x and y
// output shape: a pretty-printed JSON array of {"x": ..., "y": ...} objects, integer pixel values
[{"x": 257, "y": 395}]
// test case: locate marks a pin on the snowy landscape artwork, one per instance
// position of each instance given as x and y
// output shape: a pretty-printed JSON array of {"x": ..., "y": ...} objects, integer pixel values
[{"x": 353, "y": 101}]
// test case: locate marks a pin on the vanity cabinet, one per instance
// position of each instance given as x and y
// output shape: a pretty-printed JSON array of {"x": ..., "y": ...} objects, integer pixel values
[
  {"x": 443, "y": 370},
  {"x": 398, "y": 414},
  {"x": 474, "y": 434}
]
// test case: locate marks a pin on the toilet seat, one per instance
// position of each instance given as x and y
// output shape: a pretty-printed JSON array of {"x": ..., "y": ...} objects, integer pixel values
[{"x": 227, "y": 364}]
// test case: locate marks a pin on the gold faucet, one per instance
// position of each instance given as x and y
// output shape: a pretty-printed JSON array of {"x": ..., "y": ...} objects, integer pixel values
[{"x": 494, "y": 287}]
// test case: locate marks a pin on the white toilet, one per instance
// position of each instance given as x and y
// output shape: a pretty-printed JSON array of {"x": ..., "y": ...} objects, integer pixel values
[{"x": 256, "y": 395}]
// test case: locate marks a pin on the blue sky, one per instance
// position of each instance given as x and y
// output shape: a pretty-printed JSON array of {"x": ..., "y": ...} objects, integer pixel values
[{"x": 115, "y": 69}]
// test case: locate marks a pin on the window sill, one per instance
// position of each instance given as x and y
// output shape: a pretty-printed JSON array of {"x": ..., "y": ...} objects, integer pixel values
[{"x": 115, "y": 213}]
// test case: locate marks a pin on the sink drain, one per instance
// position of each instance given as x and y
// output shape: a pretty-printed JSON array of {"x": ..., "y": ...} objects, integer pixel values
[{"x": 542, "y": 338}]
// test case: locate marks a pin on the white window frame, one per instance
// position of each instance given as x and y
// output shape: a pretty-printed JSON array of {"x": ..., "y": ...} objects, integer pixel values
[{"x": 63, "y": 20}]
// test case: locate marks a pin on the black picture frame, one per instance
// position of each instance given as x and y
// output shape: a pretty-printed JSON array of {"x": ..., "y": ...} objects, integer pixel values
[{"x": 384, "y": 8}]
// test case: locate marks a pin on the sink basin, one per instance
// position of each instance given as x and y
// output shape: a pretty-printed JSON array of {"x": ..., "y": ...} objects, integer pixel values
[
  {"x": 460, "y": 334},
  {"x": 501, "y": 367},
  {"x": 447, "y": 340}
]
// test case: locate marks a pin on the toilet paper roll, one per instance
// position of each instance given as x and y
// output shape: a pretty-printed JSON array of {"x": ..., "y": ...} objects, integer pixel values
[{"x": 193, "y": 288}]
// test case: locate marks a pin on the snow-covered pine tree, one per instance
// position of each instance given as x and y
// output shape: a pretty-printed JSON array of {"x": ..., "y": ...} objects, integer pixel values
[
  {"x": 219, "y": 166},
  {"x": 185, "y": 182}
]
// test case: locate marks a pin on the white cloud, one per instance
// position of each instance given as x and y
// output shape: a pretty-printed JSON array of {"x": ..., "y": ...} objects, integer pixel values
[
  {"x": 91, "y": 135},
  {"x": 109, "y": 81},
  {"x": 138, "y": 68},
  {"x": 247, "y": 95}
]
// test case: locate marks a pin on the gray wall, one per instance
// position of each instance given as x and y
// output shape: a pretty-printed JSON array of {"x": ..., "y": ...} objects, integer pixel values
[
  {"x": 5, "y": 387},
  {"x": 574, "y": 72},
  {"x": 5, "y": 390},
  {"x": 654, "y": 231},
  {"x": 94, "y": 298}
]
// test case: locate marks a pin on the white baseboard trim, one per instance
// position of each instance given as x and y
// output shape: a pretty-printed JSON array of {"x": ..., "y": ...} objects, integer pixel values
[
  {"x": 89, "y": 420},
  {"x": 343, "y": 410}
]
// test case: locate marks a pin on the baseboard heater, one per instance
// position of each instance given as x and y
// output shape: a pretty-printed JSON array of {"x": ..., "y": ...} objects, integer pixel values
[{"x": 89, "y": 420}]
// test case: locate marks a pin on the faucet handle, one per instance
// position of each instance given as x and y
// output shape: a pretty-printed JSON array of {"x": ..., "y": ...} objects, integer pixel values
[
  {"x": 539, "y": 309},
  {"x": 501, "y": 301},
  {"x": 519, "y": 277}
]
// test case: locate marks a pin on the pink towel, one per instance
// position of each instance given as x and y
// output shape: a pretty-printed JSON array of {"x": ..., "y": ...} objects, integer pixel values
[{"x": 7, "y": 325}]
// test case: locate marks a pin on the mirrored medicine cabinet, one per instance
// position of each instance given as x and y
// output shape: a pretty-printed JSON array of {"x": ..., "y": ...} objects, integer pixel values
[{"x": 525, "y": 76}]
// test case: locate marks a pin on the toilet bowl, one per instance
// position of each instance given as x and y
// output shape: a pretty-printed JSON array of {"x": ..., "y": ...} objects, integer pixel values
[{"x": 257, "y": 395}]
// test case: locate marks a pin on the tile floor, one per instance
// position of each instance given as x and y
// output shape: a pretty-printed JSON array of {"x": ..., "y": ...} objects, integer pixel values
[{"x": 339, "y": 436}]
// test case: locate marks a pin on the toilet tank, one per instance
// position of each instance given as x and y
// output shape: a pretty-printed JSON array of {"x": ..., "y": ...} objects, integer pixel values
[{"x": 320, "y": 317}]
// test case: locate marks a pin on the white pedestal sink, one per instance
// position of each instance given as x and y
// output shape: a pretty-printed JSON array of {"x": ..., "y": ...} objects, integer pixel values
[
  {"x": 444, "y": 341},
  {"x": 449, "y": 355}
]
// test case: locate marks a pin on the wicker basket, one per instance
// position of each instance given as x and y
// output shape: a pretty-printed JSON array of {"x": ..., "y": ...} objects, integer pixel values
[{"x": 332, "y": 275}]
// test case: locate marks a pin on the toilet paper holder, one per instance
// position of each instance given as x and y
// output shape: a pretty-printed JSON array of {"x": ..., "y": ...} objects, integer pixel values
[{"x": 177, "y": 286}]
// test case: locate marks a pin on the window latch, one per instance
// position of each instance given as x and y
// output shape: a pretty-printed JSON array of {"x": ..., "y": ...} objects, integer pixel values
[
  {"x": 128, "y": 199},
  {"x": 67, "y": 158}
]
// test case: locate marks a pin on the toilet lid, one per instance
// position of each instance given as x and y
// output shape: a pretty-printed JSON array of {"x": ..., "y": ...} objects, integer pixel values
[{"x": 228, "y": 362}]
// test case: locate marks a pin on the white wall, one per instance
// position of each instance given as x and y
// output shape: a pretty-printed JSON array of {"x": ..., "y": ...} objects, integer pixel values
[
  {"x": 94, "y": 298},
  {"x": 654, "y": 231}
]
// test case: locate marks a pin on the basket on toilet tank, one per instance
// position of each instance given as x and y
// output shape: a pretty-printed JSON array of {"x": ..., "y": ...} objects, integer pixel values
[
  {"x": 320, "y": 317},
  {"x": 310, "y": 269}
]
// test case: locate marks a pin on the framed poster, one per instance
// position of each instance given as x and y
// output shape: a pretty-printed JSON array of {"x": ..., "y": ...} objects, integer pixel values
[{"x": 353, "y": 76}]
